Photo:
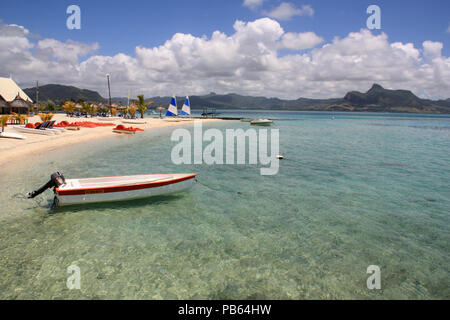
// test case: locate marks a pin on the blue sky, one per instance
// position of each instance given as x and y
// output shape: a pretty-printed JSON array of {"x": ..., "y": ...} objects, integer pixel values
[
  {"x": 120, "y": 26},
  {"x": 411, "y": 50}
]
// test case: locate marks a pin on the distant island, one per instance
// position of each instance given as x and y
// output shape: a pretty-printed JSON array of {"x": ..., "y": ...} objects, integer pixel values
[{"x": 377, "y": 99}]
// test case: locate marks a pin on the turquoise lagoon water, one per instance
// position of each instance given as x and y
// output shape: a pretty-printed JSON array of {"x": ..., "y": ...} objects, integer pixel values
[{"x": 356, "y": 191}]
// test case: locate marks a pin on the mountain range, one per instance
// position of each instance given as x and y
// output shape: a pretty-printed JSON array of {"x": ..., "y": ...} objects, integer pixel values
[{"x": 376, "y": 99}]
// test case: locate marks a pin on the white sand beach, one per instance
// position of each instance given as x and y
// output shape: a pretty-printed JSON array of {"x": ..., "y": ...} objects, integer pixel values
[{"x": 12, "y": 149}]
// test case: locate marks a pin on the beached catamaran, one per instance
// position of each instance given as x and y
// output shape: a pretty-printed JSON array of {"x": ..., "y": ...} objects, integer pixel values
[
  {"x": 172, "y": 111},
  {"x": 186, "y": 109},
  {"x": 118, "y": 188}
]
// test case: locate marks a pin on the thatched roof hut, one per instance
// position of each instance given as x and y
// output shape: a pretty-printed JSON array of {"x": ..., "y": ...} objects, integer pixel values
[{"x": 19, "y": 105}]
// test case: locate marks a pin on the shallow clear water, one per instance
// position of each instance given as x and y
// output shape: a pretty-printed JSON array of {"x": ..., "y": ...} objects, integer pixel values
[{"x": 352, "y": 192}]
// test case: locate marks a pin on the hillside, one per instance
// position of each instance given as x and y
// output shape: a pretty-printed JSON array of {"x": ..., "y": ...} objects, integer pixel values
[
  {"x": 380, "y": 99},
  {"x": 376, "y": 99},
  {"x": 59, "y": 94}
]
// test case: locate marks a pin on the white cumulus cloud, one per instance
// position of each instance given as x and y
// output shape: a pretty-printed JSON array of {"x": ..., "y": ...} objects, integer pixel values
[
  {"x": 287, "y": 10},
  {"x": 248, "y": 61},
  {"x": 300, "y": 41}
]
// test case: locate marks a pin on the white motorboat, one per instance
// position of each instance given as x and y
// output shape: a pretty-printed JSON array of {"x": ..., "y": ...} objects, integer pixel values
[
  {"x": 261, "y": 122},
  {"x": 118, "y": 188}
]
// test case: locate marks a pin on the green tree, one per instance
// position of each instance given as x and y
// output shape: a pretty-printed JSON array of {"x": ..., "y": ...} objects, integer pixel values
[
  {"x": 51, "y": 106},
  {"x": 3, "y": 120},
  {"x": 141, "y": 105}
]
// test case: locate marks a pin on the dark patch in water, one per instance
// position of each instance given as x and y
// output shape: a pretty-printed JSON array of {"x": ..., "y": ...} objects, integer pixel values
[{"x": 119, "y": 204}]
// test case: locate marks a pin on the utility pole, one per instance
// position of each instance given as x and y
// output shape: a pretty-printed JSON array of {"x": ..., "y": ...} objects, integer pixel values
[
  {"x": 109, "y": 90},
  {"x": 37, "y": 92}
]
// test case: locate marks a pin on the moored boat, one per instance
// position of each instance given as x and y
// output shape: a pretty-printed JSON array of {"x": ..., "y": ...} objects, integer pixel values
[
  {"x": 118, "y": 188},
  {"x": 261, "y": 122}
]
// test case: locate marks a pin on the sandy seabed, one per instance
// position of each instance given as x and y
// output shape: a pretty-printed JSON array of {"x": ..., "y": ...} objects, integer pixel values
[{"x": 13, "y": 149}]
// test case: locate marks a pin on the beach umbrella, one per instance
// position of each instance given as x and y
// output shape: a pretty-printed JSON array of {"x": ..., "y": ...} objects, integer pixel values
[{"x": 160, "y": 108}]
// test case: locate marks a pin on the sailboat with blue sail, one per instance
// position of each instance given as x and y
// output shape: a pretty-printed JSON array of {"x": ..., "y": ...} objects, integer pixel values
[
  {"x": 172, "y": 111},
  {"x": 186, "y": 110}
]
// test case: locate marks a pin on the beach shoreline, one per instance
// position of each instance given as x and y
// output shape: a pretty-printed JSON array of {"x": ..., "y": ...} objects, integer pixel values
[{"x": 36, "y": 144}]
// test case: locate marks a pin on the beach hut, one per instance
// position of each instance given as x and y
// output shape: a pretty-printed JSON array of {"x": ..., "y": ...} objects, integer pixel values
[
  {"x": 20, "y": 106},
  {"x": 12, "y": 98}
]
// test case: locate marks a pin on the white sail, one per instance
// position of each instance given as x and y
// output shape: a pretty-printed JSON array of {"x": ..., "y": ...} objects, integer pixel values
[
  {"x": 186, "y": 110},
  {"x": 172, "y": 110}
]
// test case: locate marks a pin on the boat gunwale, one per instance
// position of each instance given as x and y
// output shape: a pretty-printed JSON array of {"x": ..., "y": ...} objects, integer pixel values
[{"x": 125, "y": 187}]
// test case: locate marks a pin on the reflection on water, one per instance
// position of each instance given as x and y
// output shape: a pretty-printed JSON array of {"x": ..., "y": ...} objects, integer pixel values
[{"x": 349, "y": 194}]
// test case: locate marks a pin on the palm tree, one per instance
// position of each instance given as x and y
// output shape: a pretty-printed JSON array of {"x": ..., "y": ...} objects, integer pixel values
[
  {"x": 21, "y": 118},
  {"x": 131, "y": 110},
  {"x": 4, "y": 120},
  {"x": 45, "y": 116},
  {"x": 51, "y": 106},
  {"x": 141, "y": 105},
  {"x": 89, "y": 109},
  {"x": 69, "y": 107}
]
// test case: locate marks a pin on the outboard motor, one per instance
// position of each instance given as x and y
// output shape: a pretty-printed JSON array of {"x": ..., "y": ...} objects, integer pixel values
[{"x": 56, "y": 180}]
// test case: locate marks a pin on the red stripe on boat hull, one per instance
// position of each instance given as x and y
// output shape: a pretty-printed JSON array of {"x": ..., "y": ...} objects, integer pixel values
[{"x": 83, "y": 191}]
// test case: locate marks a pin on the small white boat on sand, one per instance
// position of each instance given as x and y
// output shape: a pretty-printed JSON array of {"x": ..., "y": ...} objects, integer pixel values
[
  {"x": 108, "y": 119},
  {"x": 12, "y": 135},
  {"x": 34, "y": 131},
  {"x": 261, "y": 122},
  {"x": 172, "y": 119},
  {"x": 118, "y": 188},
  {"x": 133, "y": 121}
]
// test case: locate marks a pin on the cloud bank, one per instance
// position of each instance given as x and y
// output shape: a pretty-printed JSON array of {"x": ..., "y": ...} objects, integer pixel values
[{"x": 259, "y": 58}]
